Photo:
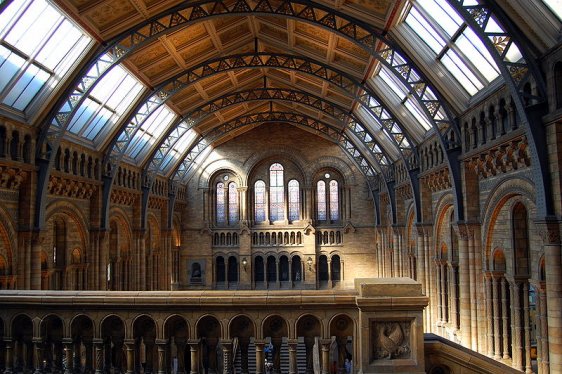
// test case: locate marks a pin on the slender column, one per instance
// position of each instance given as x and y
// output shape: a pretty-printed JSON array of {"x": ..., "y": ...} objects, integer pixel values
[
  {"x": 34, "y": 269},
  {"x": 325, "y": 343},
  {"x": 292, "y": 343},
  {"x": 463, "y": 233},
  {"x": 527, "y": 330},
  {"x": 473, "y": 286},
  {"x": 453, "y": 296},
  {"x": 544, "y": 329},
  {"x": 496, "y": 309},
  {"x": 243, "y": 206},
  {"x": 259, "y": 356},
  {"x": 490, "y": 319},
  {"x": 9, "y": 356},
  {"x": 517, "y": 347},
  {"x": 130, "y": 347},
  {"x": 161, "y": 346},
  {"x": 505, "y": 324},
  {"x": 194, "y": 351},
  {"x": 553, "y": 267},
  {"x": 227, "y": 356},
  {"x": 38, "y": 355},
  {"x": 442, "y": 271},
  {"x": 67, "y": 355},
  {"x": 98, "y": 361}
]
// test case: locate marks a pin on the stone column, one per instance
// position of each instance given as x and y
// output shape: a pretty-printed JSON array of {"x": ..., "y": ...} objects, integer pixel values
[
  {"x": 227, "y": 356},
  {"x": 98, "y": 361},
  {"x": 194, "y": 351},
  {"x": 9, "y": 356},
  {"x": 259, "y": 356},
  {"x": 516, "y": 346},
  {"x": 490, "y": 313},
  {"x": 67, "y": 355},
  {"x": 496, "y": 314},
  {"x": 292, "y": 343},
  {"x": 453, "y": 296},
  {"x": 325, "y": 343},
  {"x": 130, "y": 347},
  {"x": 463, "y": 234},
  {"x": 34, "y": 268},
  {"x": 505, "y": 308},
  {"x": 543, "y": 326},
  {"x": 38, "y": 355},
  {"x": 553, "y": 269},
  {"x": 161, "y": 346},
  {"x": 527, "y": 328},
  {"x": 473, "y": 288},
  {"x": 243, "y": 206}
]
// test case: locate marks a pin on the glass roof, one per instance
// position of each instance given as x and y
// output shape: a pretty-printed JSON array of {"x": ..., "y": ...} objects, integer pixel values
[
  {"x": 177, "y": 151},
  {"x": 113, "y": 95},
  {"x": 149, "y": 132},
  {"x": 453, "y": 43},
  {"x": 38, "y": 46},
  {"x": 555, "y": 6}
]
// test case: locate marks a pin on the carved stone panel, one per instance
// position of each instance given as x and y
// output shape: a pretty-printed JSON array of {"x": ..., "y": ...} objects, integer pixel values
[{"x": 391, "y": 340}]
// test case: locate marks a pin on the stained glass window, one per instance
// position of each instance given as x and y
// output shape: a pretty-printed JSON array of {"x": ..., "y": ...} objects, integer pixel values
[
  {"x": 38, "y": 44},
  {"x": 334, "y": 201},
  {"x": 294, "y": 200},
  {"x": 220, "y": 204},
  {"x": 276, "y": 192},
  {"x": 321, "y": 200},
  {"x": 259, "y": 201},
  {"x": 232, "y": 203}
]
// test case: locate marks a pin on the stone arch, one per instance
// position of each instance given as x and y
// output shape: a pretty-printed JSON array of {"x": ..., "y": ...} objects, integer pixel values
[
  {"x": 71, "y": 210},
  {"x": 7, "y": 239},
  {"x": 330, "y": 162},
  {"x": 243, "y": 323},
  {"x": 294, "y": 155},
  {"x": 208, "y": 173},
  {"x": 503, "y": 197},
  {"x": 209, "y": 320},
  {"x": 81, "y": 322}
]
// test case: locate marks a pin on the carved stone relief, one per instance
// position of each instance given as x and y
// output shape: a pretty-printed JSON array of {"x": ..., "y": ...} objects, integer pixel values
[{"x": 391, "y": 340}]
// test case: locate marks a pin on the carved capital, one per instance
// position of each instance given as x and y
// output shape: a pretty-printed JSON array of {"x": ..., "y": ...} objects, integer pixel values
[{"x": 549, "y": 232}]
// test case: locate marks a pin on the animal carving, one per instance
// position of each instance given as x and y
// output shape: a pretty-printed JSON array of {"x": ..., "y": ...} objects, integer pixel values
[{"x": 389, "y": 341}]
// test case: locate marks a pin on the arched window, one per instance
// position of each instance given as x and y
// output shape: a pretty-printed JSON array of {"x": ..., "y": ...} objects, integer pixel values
[
  {"x": 221, "y": 208},
  {"x": 283, "y": 269},
  {"x": 558, "y": 84},
  {"x": 520, "y": 239},
  {"x": 327, "y": 199},
  {"x": 294, "y": 200},
  {"x": 321, "y": 200},
  {"x": 276, "y": 193},
  {"x": 258, "y": 270},
  {"x": 336, "y": 268},
  {"x": 296, "y": 275},
  {"x": 259, "y": 201},
  {"x": 220, "y": 270},
  {"x": 232, "y": 269},
  {"x": 232, "y": 203},
  {"x": 334, "y": 201},
  {"x": 271, "y": 269}
]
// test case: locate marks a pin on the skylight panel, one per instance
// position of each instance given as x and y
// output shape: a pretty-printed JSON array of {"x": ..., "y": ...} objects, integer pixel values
[
  {"x": 178, "y": 150},
  {"x": 396, "y": 86},
  {"x": 38, "y": 47},
  {"x": 555, "y": 6},
  {"x": 107, "y": 102},
  {"x": 149, "y": 132},
  {"x": 454, "y": 43}
]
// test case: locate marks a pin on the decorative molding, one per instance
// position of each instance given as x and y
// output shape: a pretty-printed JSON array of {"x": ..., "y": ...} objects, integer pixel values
[
  {"x": 504, "y": 158},
  {"x": 66, "y": 187}
]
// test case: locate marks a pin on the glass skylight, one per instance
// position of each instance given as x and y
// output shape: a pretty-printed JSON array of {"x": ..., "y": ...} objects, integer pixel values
[
  {"x": 404, "y": 96},
  {"x": 454, "y": 43},
  {"x": 555, "y": 6},
  {"x": 107, "y": 102},
  {"x": 177, "y": 151},
  {"x": 38, "y": 44},
  {"x": 149, "y": 132}
]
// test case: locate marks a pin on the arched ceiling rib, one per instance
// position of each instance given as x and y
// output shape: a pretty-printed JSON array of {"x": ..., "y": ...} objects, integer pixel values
[{"x": 344, "y": 37}]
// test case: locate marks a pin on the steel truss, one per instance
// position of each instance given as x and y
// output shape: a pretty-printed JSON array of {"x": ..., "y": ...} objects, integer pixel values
[{"x": 362, "y": 34}]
